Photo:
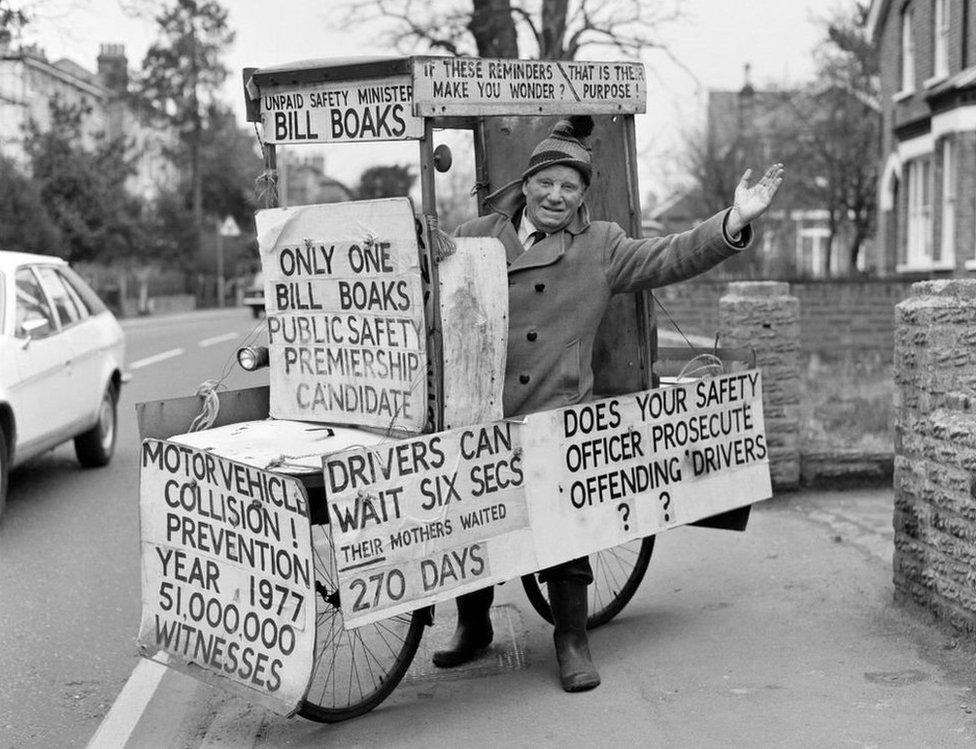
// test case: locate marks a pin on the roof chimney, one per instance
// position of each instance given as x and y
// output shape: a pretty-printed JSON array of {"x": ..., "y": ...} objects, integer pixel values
[
  {"x": 113, "y": 68},
  {"x": 747, "y": 89}
]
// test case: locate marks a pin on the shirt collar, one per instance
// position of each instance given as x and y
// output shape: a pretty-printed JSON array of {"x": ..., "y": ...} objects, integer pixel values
[{"x": 526, "y": 227}]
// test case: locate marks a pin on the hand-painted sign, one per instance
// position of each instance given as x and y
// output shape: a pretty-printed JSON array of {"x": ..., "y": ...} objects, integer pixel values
[
  {"x": 423, "y": 520},
  {"x": 227, "y": 576},
  {"x": 476, "y": 86},
  {"x": 347, "y": 341},
  {"x": 347, "y": 111}
]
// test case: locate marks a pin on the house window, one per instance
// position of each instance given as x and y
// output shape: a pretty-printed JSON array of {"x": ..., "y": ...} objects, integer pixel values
[
  {"x": 919, "y": 181},
  {"x": 907, "y": 53},
  {"x": 941, "y": 38},
  {"x": 947, "y": 252},
  {"x": 811, "y": 250}
]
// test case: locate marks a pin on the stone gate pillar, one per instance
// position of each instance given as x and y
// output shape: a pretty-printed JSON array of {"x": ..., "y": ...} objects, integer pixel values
[
  {"x": 763, "y": 315},
  {"x": 935, "y": 450}
]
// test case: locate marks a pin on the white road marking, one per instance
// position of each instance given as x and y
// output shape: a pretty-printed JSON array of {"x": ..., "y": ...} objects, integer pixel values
[
  {"x": 129, "y": 706},
  {"x": 217, "y": 339},
  {"x": 155, "y": 358}
]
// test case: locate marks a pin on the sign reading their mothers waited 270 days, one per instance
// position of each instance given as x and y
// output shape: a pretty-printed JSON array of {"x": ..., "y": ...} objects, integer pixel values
[
  {"x": 344, "y": 303},
  {"x": 227, "y": 578},
  {"x": 422, "y": 520}
]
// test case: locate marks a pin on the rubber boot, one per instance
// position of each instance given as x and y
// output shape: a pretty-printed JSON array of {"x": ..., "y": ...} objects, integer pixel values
[
  {"x": 567, "y": 599},
  {"x": 473, "y": 633}
]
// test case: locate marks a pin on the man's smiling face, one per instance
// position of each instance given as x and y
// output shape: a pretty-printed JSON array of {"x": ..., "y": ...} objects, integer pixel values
[{"x": 552, "y": 197}]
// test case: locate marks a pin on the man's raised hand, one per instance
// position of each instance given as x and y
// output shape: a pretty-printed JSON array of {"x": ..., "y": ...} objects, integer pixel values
[{"x": 750, "y": 203}]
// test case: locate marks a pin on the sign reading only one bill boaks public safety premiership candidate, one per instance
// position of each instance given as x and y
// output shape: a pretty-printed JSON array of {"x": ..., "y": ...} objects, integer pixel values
[
  {"x": 422, "y": 520},
  {"x": 227, "y": 574},
  {"x": 345, "y": 316}
]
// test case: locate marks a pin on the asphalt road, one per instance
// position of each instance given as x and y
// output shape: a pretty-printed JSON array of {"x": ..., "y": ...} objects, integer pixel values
[{"x": 69, "y": 545}]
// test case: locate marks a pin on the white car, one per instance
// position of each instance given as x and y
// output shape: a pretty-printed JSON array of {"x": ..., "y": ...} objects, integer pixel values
[{"x": 61, "y": 358}]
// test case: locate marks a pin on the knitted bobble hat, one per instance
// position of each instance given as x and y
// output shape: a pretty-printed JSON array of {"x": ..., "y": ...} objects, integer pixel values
[{"x": 567, "y": 145}]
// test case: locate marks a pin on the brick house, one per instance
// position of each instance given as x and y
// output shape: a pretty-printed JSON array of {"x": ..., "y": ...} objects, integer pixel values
[{"x": 927, "y": 187}]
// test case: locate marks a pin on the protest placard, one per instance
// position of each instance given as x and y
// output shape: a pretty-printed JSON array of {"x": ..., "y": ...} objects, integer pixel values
[
  {"x": 423, "y": 520},
  {"x": 345, "y": 313},
  {"x": 336, "y": 112},
  {"x": 446, "y": 86},
  {"x": 227, "y": 574}
]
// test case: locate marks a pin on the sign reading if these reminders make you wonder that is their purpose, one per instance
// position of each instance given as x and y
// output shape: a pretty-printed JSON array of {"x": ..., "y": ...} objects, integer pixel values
[
  {"x": 422, "y": 520},
  {"x": 345, "y": 315},
  {"x": 468, "y": 86},
  {"x": 227, "y": 576}
]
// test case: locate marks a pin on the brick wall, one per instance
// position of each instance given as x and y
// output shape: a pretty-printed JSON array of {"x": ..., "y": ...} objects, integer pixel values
[
  {"x": 837, "y": 318},
  {"x": 934, "y": 561}
]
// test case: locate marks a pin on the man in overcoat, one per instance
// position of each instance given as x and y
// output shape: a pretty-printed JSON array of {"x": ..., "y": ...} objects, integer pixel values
[{"x": 562, "y": 270}]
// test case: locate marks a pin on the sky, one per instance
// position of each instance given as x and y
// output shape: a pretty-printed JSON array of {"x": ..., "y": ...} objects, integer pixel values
[{"x": 713, "y": 42}]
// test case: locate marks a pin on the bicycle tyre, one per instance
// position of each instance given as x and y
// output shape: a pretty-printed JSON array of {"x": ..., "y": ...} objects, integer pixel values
[
  {"x": 619, "y": 570},
  {"x": 378, "y": 672}
]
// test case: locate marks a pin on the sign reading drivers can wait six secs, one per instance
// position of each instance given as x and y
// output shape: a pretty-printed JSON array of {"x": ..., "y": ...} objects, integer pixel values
[{"x": 393, "y": 107}]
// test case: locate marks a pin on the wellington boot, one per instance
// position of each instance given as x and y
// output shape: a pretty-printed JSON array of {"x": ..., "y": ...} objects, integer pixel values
[
  {"x": 567, "y": 599},
  {"x": 473, "y": 633}
]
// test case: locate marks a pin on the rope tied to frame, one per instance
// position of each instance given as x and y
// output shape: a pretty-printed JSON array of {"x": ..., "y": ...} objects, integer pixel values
[
  {"x": 442, "y": 245},
  {"x": 211, "y": 406}
]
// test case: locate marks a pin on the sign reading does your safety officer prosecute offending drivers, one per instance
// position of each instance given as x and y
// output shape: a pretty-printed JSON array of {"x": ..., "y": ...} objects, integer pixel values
[{"x": 425, "y": 519}]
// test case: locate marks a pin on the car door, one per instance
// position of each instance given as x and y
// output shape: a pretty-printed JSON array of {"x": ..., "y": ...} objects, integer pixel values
[
  {"x": 41, "y": 394},
  {"x": 82, "y": 341}
]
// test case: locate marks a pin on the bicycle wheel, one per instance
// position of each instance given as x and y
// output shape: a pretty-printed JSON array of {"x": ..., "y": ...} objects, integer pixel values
[
  {"x": 617, "y": 572},
  {"x": 354, "y": 671}
]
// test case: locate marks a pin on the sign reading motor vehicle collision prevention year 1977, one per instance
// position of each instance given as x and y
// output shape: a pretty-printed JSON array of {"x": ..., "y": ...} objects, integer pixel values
[
  {"x": 422, "y": 520},
  {"x": 227, "y": 573}
]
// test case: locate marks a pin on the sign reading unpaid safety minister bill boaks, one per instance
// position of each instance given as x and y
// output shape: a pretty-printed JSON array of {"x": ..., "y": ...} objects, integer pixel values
[
  {"x": 227, "y": 574},
  {"x": 422, "y": 520}
]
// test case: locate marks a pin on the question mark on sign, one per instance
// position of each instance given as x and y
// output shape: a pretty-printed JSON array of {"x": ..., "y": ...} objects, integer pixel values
[
  {"x": 624, "y": 510},
  {"x": 562, "y": 88},
  {"x": 666, "y": 503}
]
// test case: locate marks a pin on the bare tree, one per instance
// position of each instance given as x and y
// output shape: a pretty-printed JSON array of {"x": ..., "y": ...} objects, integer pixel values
[{"x": 547, "y": 29}]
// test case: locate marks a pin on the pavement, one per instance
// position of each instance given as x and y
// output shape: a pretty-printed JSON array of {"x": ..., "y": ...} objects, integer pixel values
[{"x": 785, "y": 635}]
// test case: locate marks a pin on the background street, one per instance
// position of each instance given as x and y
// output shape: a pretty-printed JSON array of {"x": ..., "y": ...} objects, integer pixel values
[{"x": 69, "y": 544}]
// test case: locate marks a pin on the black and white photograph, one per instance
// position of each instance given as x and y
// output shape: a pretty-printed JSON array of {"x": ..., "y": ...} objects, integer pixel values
[{"x": 491, "y": 373}]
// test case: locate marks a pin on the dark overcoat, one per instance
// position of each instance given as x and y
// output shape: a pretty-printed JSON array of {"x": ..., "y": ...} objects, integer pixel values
[{"x": 560, "y": 287}]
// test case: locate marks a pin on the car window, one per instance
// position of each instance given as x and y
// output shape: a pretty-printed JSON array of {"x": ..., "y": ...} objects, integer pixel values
[
  {"x": 92, "y": 303},
  {"x": 34, "y": 315},
  {"x": 65, "y": 306},
  {"x": 79, "y": 303}
]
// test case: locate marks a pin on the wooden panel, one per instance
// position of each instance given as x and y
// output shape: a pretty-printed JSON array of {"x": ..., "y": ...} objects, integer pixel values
[
  {"x": 474, "y": 318},
  {"x": 510, "y": 140},
  {"x": 163, "y": 418}
]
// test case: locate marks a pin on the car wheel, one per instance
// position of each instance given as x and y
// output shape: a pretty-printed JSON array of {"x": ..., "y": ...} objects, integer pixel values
[
  {"x": 4, "y": 470},
  {"x": 95, "y": 447}
]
